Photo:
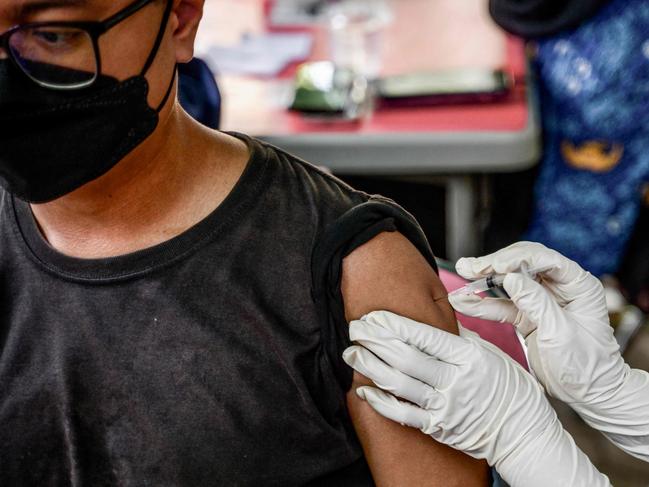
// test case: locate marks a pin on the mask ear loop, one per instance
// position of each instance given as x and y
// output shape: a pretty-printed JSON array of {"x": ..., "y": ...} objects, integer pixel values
[
  {"x": 169, "y": 89},
  {"x": 158, "y": 40},
  {"x": 154, "y": 53}
]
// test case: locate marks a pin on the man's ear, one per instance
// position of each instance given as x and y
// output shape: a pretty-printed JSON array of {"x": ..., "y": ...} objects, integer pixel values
[{"x": 185, "y": 17}]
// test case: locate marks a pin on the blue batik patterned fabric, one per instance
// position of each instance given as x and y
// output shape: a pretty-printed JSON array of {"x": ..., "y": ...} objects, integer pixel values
[{"x": 594, "y": 89}]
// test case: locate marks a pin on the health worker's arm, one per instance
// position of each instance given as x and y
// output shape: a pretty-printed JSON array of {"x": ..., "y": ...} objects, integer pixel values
[
  {"x": 466, "y": 393},
  {"x": 389, "y": 273},
  {"x": 572, "y": 348}
]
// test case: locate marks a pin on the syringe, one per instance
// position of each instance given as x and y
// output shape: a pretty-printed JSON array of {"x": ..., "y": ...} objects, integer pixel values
[{"x": 495, "y": 280}]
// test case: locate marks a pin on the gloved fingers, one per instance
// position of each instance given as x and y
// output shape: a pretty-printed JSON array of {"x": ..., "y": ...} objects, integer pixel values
[
  {"x": 586, "y": 296},
  {"x": 467, "y": 333},
  {"x": 520, "y": 255},
  {"x": 430, "y": 340},
  {"x": 538, "y": 306},
  {"x": 524, "y": 325},
  {"x": 403, "y": 357},
  {"x": 564, "y": 276},
  {"x": 390, "y": 379},
  {"x": 493, "y": 309},
  {"x": 401, "y": 412},
  {"x": 534, "y": 359},
  {"x": 478, "y": 340}
]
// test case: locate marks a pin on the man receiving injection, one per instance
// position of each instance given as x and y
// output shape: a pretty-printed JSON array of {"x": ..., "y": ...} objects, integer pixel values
[{"x": 466, "y": 393}]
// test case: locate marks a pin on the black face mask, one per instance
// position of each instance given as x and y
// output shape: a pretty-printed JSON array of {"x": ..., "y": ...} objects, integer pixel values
[{"x": 54, "y": 142}]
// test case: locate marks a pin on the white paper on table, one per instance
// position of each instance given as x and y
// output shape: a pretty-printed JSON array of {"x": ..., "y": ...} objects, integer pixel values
[{"x": 261, "y": 55}]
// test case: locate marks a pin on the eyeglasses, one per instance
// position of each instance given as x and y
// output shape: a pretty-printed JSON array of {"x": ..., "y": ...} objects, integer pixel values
[{"x": 62, "y": 55}]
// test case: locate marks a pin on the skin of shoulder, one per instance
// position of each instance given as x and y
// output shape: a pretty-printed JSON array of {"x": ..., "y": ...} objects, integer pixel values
[{"x": 389, "y": 273}]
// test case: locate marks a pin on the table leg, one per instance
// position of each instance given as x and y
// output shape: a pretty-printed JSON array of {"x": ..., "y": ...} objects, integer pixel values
[{"x": 462, "y": 229}]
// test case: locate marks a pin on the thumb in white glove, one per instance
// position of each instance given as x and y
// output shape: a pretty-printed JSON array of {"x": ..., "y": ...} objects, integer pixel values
[
  {"x": 571, "y": 346},
  {"x": 467, "y": 394}
]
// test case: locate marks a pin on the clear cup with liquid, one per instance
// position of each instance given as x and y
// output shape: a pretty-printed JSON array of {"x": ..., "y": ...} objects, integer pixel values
[{"x": 357, "y": 34}]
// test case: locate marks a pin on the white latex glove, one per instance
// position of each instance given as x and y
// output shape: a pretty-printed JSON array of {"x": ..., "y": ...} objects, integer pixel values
[
  {"x": 571, "y": 346},
  {"x": 466, "y": 393}
]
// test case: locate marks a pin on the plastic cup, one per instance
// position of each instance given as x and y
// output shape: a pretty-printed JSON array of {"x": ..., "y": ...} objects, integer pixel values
[{"x": 357, "y": 35}]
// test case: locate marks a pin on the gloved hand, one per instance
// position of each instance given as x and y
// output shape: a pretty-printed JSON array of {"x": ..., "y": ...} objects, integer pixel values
[
  {"x": 466, "y": 393},
  {"x": 571, "y": 346}
]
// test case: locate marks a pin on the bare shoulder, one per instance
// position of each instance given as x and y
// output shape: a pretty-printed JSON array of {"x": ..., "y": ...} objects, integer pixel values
[{"x": 390, "y": 273}]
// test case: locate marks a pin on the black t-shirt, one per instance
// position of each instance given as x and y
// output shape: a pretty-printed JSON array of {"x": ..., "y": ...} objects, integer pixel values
[
  {"x": 211, "y": 359},
  {"x": 542, "y": 18}
]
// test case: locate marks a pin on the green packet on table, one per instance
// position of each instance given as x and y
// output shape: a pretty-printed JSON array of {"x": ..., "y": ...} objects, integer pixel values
[{"x": 323, "y": 89}]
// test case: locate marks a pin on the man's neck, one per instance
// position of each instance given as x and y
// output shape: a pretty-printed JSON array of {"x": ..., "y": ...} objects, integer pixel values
[{"x": 169, "y": 183}]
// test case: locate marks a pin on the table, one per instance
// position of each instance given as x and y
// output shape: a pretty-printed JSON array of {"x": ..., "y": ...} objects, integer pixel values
[{"x": 456, "y": 142}]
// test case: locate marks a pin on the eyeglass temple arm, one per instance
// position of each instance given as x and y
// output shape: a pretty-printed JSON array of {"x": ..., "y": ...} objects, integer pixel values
[{"x": 123, "y": 14}]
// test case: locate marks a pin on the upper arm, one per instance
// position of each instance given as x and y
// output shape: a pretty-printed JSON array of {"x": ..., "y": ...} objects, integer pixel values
[{"x": 388, "y": 273}]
